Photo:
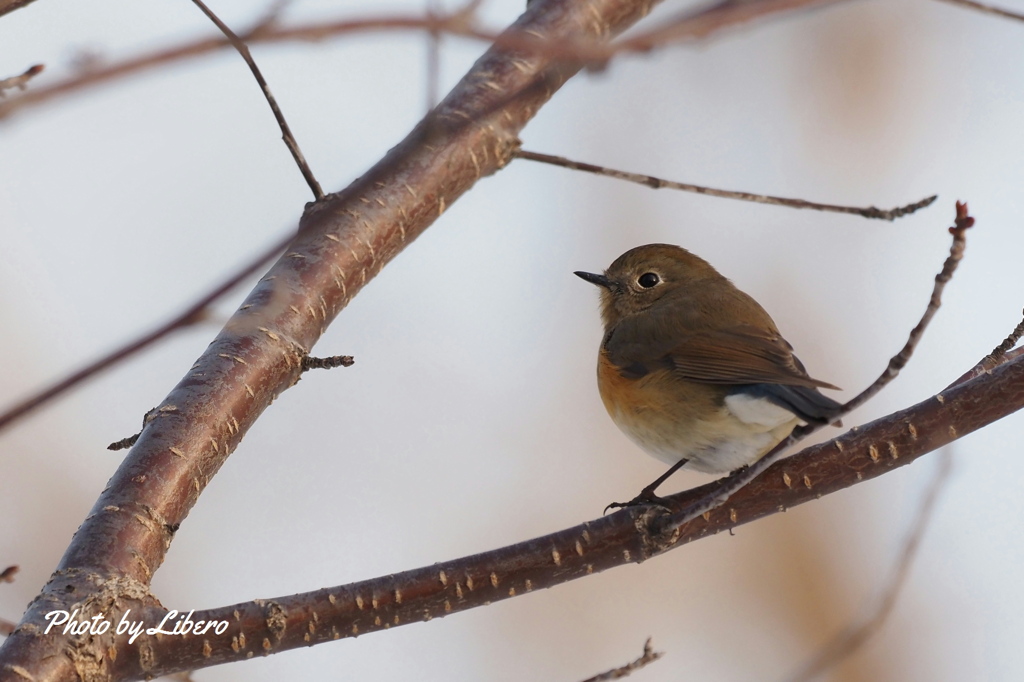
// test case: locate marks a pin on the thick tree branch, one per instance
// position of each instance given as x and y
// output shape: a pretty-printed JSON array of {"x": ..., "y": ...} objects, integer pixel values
[
  {"x": 342, "y": 243},
  {"x": 7, "y": 6},
  {"x": 435, "y": 591}
]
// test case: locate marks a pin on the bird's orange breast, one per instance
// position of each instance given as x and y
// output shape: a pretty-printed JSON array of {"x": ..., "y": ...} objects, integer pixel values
[{"x": 673, "y": 418}]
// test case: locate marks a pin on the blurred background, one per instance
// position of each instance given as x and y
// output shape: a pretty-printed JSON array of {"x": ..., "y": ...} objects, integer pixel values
[{"x": 471, "y": 418}]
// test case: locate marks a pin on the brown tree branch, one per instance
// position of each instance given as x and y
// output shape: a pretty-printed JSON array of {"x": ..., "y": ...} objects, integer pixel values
[
  {"x": 590, "y": 49},
  {"x": 286, "y": 132},
  {"x": 658, "y": 183},
  {"x": 649, "y": 656},
  {"x": 986, "y": 9},
  {"x": 7, "y": 6},
  {"x": 1000, "y": 351},
  {"x": 309, "y": 362},
  {"x": 435, "y": 591}
]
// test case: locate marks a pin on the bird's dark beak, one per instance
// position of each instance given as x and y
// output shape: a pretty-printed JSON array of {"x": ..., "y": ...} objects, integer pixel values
[{"x": 599, "y": 280}]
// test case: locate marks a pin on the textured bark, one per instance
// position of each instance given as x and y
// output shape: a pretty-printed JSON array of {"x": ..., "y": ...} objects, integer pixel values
[
  {"x": 342, "y": 243},
  {"x": 7, "y": 6},
  {"x": 628, "y": 536}
]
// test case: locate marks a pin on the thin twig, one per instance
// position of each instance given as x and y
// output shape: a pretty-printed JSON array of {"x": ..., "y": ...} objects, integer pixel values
[
  {"x": 854, "y": 636},
  {"x": 191, "y": 315},
  {"x": 309, "y": 362},
  {"x": 728, "y": 485},
  {"x": 649, "y": 656},
  {"x": 124, "y": 443},
  {"x": 690, "y": 24},
  {"x": 658, "y": 183},
  {"x": 286, "y": 133},
  {"x": 20, "y": 81},
  {"x": 986, "y": 9},
  {"x": 999, "y": 355},
  {"x": 1000, "y": 351}
]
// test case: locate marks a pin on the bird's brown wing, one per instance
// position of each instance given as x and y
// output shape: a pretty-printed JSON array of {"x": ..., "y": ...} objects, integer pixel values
[{"x": 740, "y": 355}]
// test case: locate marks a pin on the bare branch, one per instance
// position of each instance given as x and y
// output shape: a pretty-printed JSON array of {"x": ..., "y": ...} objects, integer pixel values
[
  {"x": 1000, "y": 351},
  {"x": 7, "y": 6},
  {"x": 124, "y": 443},
  {"x": 286, "y": 133},
  {"x": 962, "y": 223},
  {"x": 689, "y": 25},
  {"x": 986, "y": 9},
  {"x": 573, "y": 51},
  {"x": 191, "y": 315},
  {"x": 309, "y": 362},
  {"x": 854, "y": 636},
  {"x": 658, "y": 183},
  {"x": 648, "y": 656}
]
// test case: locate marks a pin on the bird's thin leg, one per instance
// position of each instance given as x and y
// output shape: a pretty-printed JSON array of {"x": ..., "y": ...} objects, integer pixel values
[{"x": 647, "y": 495}]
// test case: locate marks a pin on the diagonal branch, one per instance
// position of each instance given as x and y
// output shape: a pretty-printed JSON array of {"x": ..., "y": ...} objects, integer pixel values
[
  {"x": 649, "y": 656},
  {"x": 658, "y": 183},
  {"x": 987, "y": 9}
]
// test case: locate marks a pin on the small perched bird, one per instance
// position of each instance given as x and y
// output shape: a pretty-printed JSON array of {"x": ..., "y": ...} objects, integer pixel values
[{"x": 692, "y": 369}]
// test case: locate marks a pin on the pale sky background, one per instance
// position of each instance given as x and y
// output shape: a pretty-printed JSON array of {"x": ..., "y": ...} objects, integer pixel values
[{"x": 471, "y": 419}]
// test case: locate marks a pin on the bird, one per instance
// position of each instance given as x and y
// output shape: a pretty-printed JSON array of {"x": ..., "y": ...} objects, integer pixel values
[{"x": 692, "y": 369}]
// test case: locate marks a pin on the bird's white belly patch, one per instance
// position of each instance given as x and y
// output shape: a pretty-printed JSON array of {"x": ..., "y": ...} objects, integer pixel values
[
  {"x": 757, "y": 411},
  {"x": 741, "y": 431}
]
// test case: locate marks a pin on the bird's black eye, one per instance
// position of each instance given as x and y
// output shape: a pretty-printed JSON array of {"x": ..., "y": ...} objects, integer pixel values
[{"x": 648, "y": 280}]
